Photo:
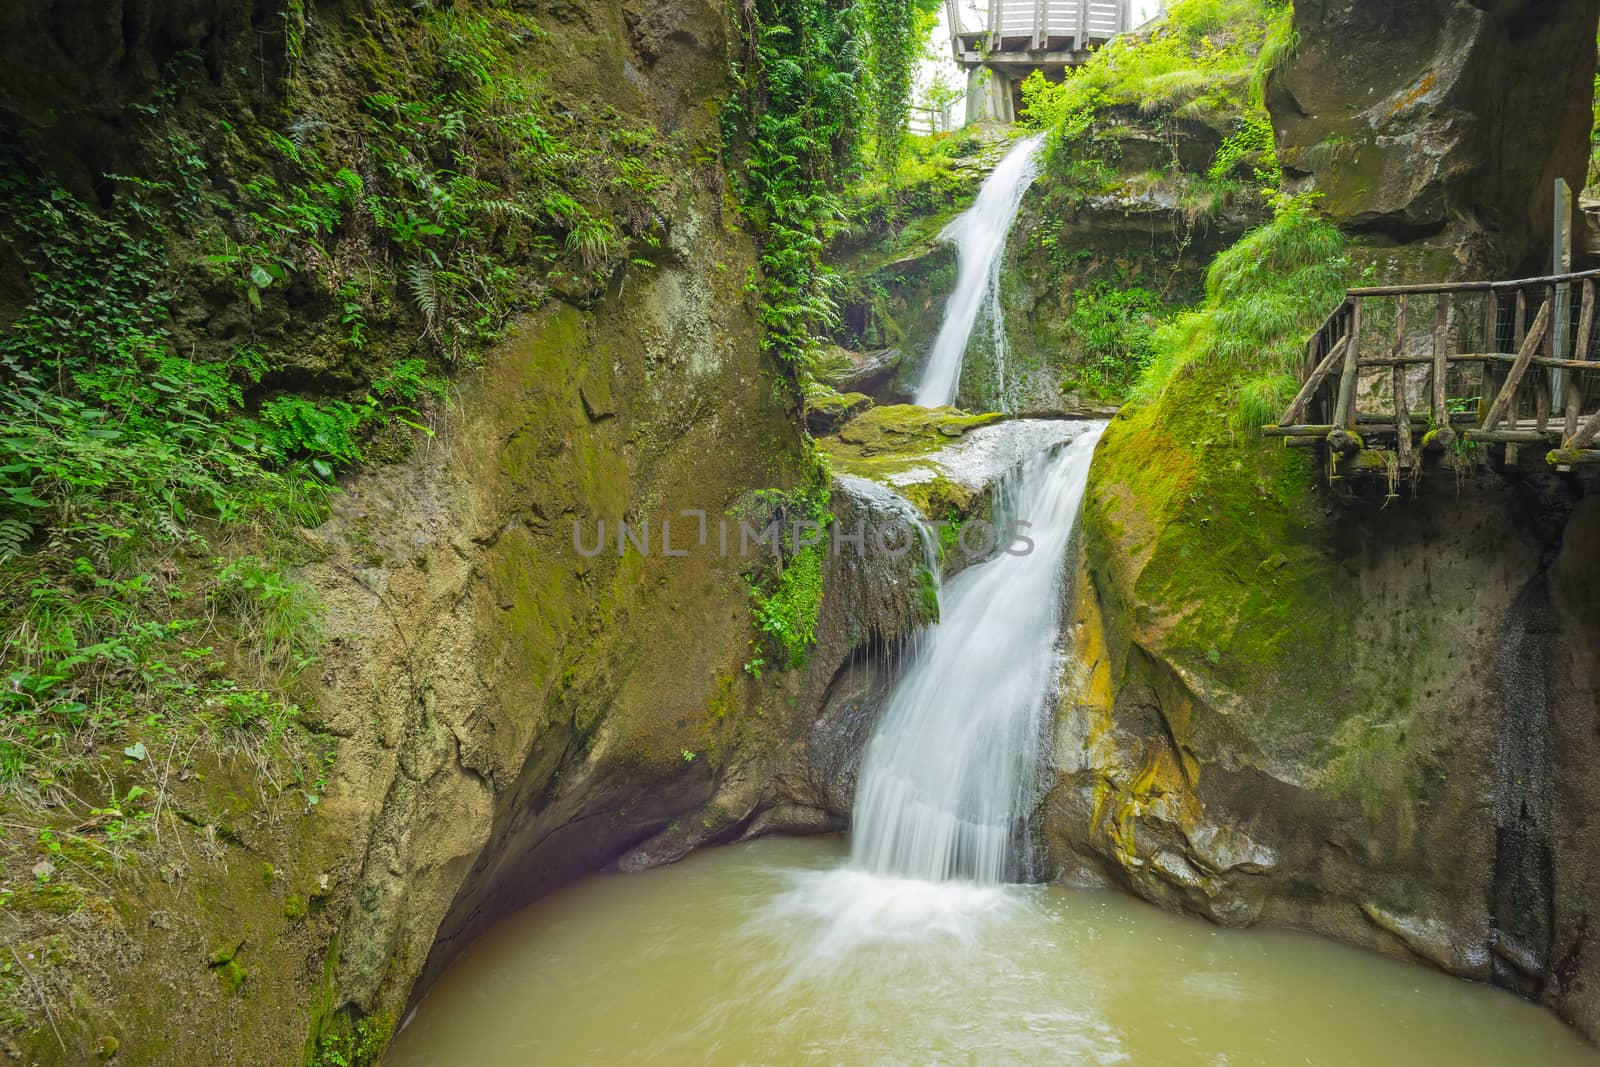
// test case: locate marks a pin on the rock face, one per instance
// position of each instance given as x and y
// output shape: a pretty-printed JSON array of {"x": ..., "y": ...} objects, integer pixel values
[
  {"x": 68, "y": 70},
  {"x": 1443, "y": 120},
  {"x": 1372, "y": 722},
  {"x": 1065, "y": 245},
  {"x": 503, "y": 711}
]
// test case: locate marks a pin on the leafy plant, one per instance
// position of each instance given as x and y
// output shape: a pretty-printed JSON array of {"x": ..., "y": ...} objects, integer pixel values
[
  {"x": 1263, "y": 297},
  {"x": 1113, "y": 332},
  {"x": 790, "y": 132},
  {"x": 786, "y": 590}
]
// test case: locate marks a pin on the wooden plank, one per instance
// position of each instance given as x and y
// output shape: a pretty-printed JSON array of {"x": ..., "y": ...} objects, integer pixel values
[
  {"x": 1580, "y": 355},
  {"x": 1344, "y": 411},
  {"x": 1530, "y": 344},
  {"x": 1402, "y": 414},
  {"x": 1297, "y": 406},
  {"x": 1512, "y": 437}
]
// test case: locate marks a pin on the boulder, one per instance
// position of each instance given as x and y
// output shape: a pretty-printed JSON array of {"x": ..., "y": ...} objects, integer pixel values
[{"x": 1441, "y": 121}]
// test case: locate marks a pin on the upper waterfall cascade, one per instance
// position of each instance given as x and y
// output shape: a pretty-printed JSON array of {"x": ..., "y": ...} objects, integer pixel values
[{"x": 979, "y": 235}]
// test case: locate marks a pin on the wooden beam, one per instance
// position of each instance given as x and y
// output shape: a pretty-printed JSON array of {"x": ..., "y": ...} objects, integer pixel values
[
  {"x": 1541, "y": 378},
  {"x": 1580, "y": 354},
  {"x": 1470, "y": 287},
  {"x": 1296, "y": 431},
  {"x": 1372, "y": 362},
  {"x": 1530, "y": 344},
  {"x": 1438, "y": 402},
  {"x": 1565, "y": 457},
  {"x": 1402, "y": 414},
  {"x": 1344, "y": 410},
  {"x": 1380, "y": 422},
  {"x": 1512, "y": 437},
  {"x": 1365, "y": 429},
  {"x": 1296, "y": 408}
]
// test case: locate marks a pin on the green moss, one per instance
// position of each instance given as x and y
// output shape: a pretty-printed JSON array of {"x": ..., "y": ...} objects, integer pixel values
[
  {"x": 225, "y": 965},
  {"x": 231, "y": 975},
  {"x": 907, "y": 430},
  {"x": 353, "y": 1044},
  {"x": 1264, "y": 296},
  {"x": 928, "y": 592},
  {"x": 897, "y": 446},
  {"x": 788, "y": 614}
]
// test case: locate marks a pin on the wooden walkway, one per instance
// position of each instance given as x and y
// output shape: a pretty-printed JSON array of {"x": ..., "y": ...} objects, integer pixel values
[
  {"x": 1037, "y": 33},
  {"x": 1467, "y": 372}
]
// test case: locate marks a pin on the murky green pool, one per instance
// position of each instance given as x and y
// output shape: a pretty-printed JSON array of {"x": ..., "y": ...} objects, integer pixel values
[{"x": 773, "y": 953}]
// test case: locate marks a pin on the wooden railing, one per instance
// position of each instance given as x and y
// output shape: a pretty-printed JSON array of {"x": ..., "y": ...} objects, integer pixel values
[{"x": 1495, "y": 363}]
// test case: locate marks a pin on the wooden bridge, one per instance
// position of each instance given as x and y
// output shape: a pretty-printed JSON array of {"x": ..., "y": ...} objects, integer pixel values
[
  {"x": 1021, "y": 36},
  {"x": 1033, "y": 33},
  {"x": 1464, "y": 371}
]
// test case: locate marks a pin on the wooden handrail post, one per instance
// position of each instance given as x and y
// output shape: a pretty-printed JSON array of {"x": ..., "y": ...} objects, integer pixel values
[
  {"x": 1580, "y": 353},
  {"x": 1344, "y": 412},
  {"x": 1443, "y": 434},
  {"x": 1542, "y": 385},
  {"x": 1402, "y": 414},
  {"x": 1491, "y": 343},
  {"x": 1530, "y": 345}
]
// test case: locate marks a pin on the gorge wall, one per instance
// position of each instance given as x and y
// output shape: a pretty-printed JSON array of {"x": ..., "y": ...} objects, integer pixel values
[
  {"x": 1439, "y": 125},
  {"x": 1280, "y": 706},
  {"x": 502, "y": 713},
  {"x": 1370, "y": 718}
]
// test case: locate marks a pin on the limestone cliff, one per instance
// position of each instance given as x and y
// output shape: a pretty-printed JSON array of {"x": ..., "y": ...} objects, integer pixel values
[
  {"x": 1368, "y": 717},
  {"x": 499, "y": 712},
  {"x": 1439, "y": 124},
  {"x": 1374, "y": 722}
]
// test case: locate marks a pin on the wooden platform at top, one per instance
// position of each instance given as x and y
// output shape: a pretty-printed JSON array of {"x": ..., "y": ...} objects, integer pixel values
[
  {"x": 1460, "y": 372},
  {"x": 1027, "y": 34}
]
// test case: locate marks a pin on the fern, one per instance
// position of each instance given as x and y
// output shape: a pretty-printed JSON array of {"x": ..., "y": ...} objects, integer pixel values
[
  {"x": 14, "y": 534},
  {"x": 424, "y": 288}
]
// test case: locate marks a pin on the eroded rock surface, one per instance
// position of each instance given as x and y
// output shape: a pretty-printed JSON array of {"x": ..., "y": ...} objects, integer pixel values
[
  {"x": 1372, "y": 722},
  {"x": 1444, "y": 121}
]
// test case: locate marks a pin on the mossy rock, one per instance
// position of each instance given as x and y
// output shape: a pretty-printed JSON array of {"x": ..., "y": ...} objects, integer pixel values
[
  {"x": 898, "y": 446},
  {"x": 906, "y": 430},
  {"x": 827, "y": 410}
]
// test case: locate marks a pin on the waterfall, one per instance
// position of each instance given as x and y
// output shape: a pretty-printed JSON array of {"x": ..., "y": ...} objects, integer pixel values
[
  {"x": 948, "y": 776},
  {"x": 980, "y": 239}
]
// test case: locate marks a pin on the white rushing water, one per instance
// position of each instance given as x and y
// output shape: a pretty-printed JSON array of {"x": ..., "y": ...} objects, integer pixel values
[
  {"x": 949, "y": 773},
  {"x": 980, "y": 239}
]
